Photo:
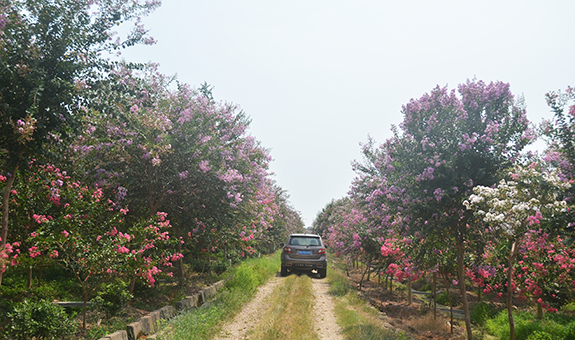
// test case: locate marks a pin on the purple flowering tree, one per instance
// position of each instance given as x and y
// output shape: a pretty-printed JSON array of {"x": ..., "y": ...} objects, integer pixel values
[
  {"x": 179, "y": 151},
  {"x": 49, "y": 53},
  {"x": 416, "y": 182}
]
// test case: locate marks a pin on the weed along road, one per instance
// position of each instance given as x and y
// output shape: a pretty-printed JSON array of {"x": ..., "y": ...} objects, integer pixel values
[{"x": 292, "y": 307}]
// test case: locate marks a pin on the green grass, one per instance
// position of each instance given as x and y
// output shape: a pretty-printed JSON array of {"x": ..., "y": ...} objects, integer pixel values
[
  {"x": 357, "y": 320},
  {"x": 205, "y": 323},
  {"x": 290, "y": 312},
  {"x": 559, "y": 326}
]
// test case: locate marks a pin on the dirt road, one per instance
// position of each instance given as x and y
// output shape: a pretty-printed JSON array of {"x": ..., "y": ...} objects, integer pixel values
[{"x": 326, "y": 325}]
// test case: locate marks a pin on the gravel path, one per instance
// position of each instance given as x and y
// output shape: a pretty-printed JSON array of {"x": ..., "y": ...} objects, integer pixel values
[
  {"x": 327, "y": 327},
  {"x": 249, "y": 317}
]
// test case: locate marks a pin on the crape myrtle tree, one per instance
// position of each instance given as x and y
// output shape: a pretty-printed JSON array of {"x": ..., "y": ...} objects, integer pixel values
[
  {"x": 286, "y": 222},
  {"x": 447, "y": 144},
  {"x": 522, "y": 213},
  {"x": 49, "y": 52},
  {"x": 560, "y": 132},
  {"x": 155, "y": 144},
  {"x": 67, "y": 223}
]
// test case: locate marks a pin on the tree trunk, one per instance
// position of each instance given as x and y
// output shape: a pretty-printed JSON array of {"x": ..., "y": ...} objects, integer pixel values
[
  {"x": 84, "y": 312},
  {"x": 29, "y": 277},
  {"x": 449, "y": 299},
  {"x": 434, "y": 296},
  {"x": 409, "y": 293},
  {"x": 132, "y": 285},
  {"x": 510, "y": 260},
  {"x": 5, "y": 212},
  {"x": 539, "y": 311},
  {"x": 363, "y": 275},
  {"x": 462, "y": 291}
]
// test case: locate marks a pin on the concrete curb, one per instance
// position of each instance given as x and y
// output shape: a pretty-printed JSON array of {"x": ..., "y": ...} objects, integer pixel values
[{"x": 149, "y": 324}]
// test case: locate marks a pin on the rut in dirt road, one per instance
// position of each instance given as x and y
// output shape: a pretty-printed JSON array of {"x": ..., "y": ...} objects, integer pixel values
[
  {"x": 253, "y": 314},
  {"x": 327, "y": 327},
  {"x": 248, "y": 318}
]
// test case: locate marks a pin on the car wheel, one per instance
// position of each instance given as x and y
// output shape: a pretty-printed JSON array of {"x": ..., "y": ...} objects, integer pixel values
[
  {"x": 322, "y": 273},
  {"x": 283, "y": 271}
]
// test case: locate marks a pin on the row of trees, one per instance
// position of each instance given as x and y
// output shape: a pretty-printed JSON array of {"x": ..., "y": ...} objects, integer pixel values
[
  {"x": 112, "y": 169},
  {"x": 452, "y": 187}
]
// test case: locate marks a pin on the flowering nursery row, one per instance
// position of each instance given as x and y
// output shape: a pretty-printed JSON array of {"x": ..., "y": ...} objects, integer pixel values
[
  {"x": 112, "y": 169},
  {"x": 452, "y": 193}
]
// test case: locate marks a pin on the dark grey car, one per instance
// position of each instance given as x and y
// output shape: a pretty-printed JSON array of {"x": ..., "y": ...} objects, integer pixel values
[{"x": 304, "y": 252}]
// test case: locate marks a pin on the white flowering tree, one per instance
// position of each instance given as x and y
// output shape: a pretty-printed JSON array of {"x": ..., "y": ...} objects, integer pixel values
[{"x": 529, "y": 199}]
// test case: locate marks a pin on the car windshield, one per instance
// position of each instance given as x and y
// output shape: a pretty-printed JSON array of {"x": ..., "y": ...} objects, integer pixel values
[{"x": 304, "y": 241}]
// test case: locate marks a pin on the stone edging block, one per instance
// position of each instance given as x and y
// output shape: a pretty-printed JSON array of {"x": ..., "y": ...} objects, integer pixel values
[
  {"x": 119, "y": 335},
  {"x": 149, "y": 324}
]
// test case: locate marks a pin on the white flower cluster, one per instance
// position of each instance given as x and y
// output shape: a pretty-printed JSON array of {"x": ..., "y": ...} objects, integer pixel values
[{"x": 512, "y": 205}]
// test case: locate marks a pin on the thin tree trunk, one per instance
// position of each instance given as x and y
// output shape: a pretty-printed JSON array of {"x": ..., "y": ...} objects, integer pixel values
[
  {"x": 363, "y": 275},
  {"x": 409, "y": 293},
  {"x": 29, "y": 277},
  {"x": 5, "y": 212},
  {"x": 132, "y": 285},
  {"x": 510, "y": 260},
  {"x": 539, "y": 311},
  {"x": 462, "y": 290},
  {"x": 84, "y": 312},
  {"x": 434, "y": 296},
  {"x": 449, "y": 299}
]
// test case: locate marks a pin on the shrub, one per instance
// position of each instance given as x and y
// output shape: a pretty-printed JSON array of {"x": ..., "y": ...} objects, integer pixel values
[
  {"x": 482, "y": 312},
  {"x": 443, "y": 300},
  {"x": 540, "y": 336},
  {"x": 41, "y": 319},
  {"x": 555, "y": 324},
  {"x": 112, "y": 297}
]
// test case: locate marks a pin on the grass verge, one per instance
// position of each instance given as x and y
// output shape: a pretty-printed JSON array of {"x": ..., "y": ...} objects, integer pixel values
[
  {"x": 288, "y": 317},
  {"x": 552, "y": 326},
  {"x": 357, "y": 320},
  {"x": 206, "y": 322}
]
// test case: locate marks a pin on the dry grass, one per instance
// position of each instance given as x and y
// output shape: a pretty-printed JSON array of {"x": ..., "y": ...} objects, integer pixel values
[
  {"x": 289, "y": 313},
  {"x": 426, "y": 324}
]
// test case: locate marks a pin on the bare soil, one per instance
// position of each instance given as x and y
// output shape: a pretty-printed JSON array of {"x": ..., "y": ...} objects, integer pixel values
[
  {"x": 327, "y": 328},
  {"x": 248, "y": 318}
]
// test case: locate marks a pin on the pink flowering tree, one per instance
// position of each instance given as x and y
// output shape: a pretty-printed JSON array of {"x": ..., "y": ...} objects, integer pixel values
[
  {"x": 417, "y": 180},
  {"x": 179, "y": 151},
  {"x": 514, "y": 210},
  {"x": 49, "y": 55},
  {"x": 65, "y": 222}
]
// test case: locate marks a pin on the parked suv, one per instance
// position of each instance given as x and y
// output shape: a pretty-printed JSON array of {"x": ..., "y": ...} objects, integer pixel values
[{"x": 304, "y": 252}]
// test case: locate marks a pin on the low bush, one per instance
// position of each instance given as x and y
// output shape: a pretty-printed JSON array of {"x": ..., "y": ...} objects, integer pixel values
[
  {"x": 482, "y": 312},
  {"x": 41, "y": 320},
  {"x": 442, "y": 299},
  {"x": 559, "y": 326},
  {"x": 112, "y": 297}
]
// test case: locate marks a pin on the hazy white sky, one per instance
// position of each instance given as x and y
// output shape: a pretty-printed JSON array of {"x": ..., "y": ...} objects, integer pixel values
[{"x": 317, "y": 76}]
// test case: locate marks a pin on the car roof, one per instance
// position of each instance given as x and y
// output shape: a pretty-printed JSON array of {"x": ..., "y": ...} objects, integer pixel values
[{"x": 304, "y": 235}]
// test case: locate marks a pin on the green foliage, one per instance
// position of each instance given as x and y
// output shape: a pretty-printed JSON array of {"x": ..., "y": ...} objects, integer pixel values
[
  {"x": 252, "y": 273},
  {"x": 338, "y": 284},
  {"x": 112, "y": 297},
  {"x": 559, "y": 326},
  {"x": 204, "y": 323},
  {"x": 482, "y": 312},
  {"x": 442, "y": 299},
  {"x": 540, "y": 336},
  {"x": 41, "y": 319}
]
